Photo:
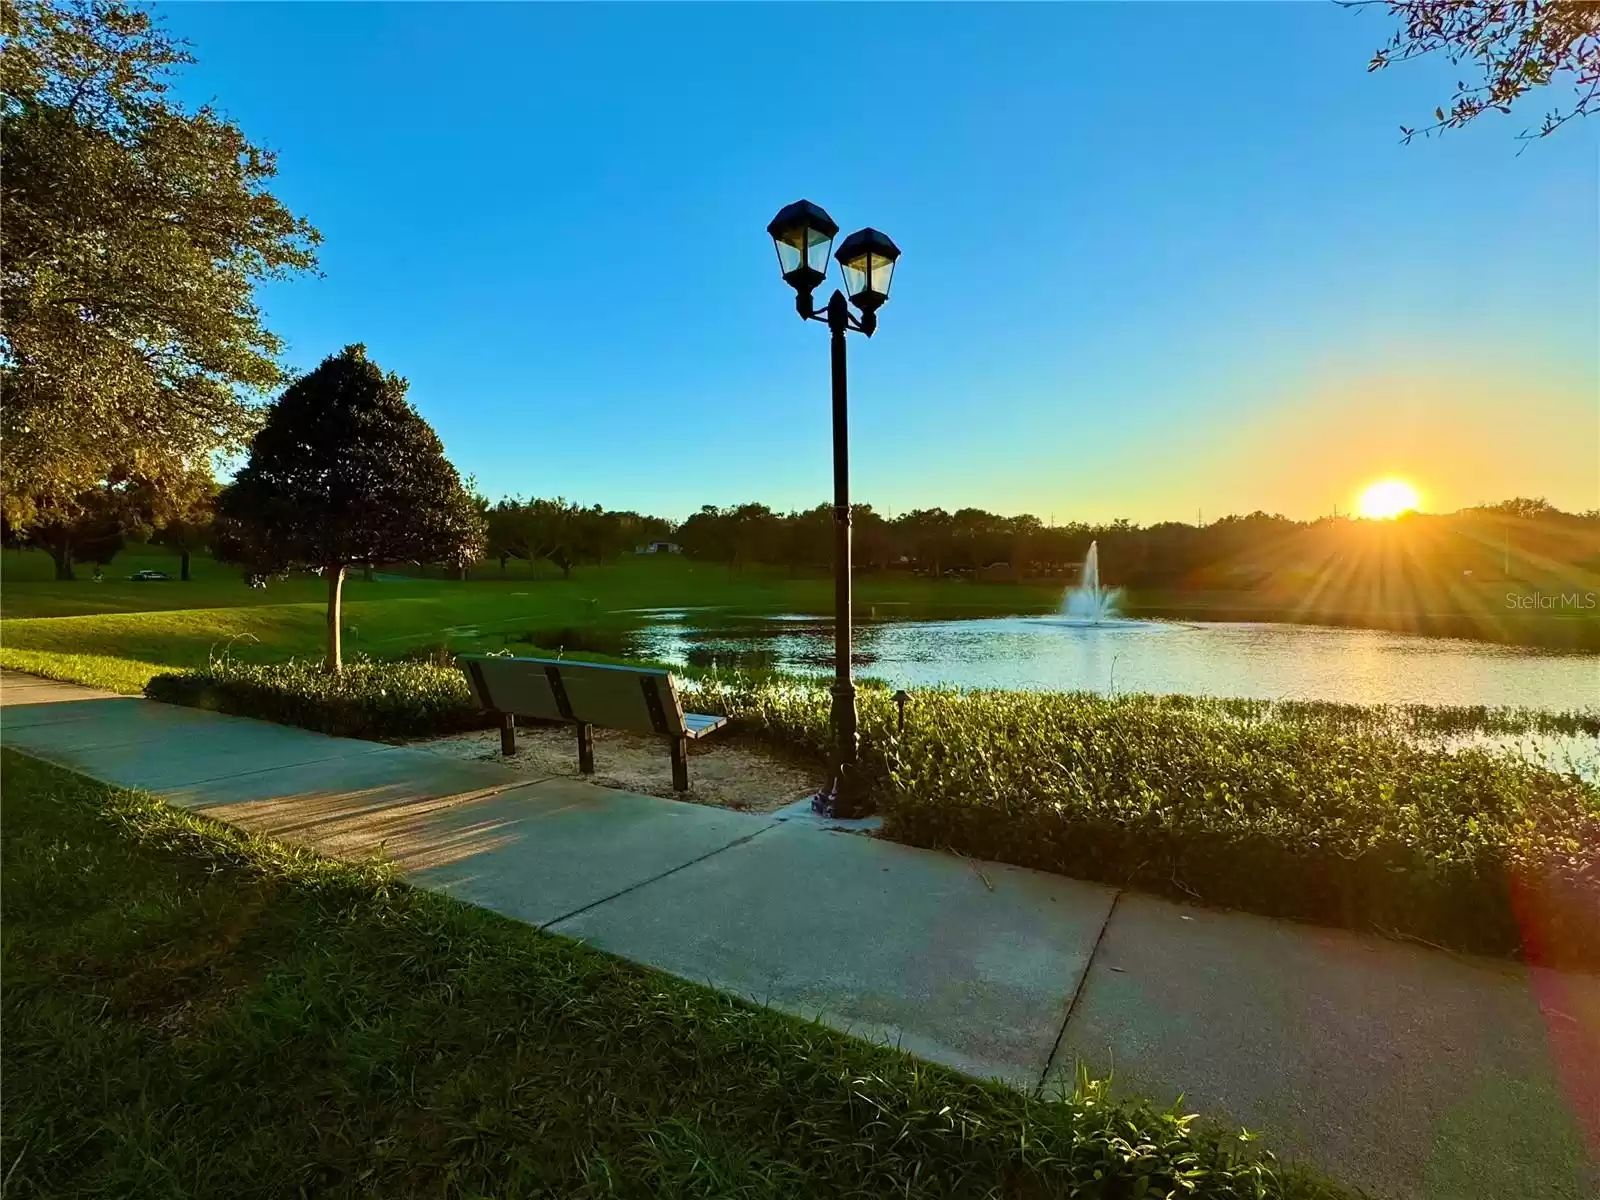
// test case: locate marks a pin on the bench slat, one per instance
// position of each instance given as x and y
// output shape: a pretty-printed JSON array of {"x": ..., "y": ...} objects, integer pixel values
[
  {"x": 700, "y": 724},
  {"x": 525, "y": 690}
]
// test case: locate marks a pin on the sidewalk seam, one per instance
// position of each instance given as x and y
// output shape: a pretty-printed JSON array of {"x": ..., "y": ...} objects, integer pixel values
[
  {"x": 1072, "y": 1005},
  {"x": 554, "y": 921}
]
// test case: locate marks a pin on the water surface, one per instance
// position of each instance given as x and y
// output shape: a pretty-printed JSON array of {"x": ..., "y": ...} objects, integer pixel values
[{"x": 1255, "y": 660}]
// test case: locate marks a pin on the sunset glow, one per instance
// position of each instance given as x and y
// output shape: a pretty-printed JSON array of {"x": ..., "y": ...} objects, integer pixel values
[{"x": 1387, "y": 498}]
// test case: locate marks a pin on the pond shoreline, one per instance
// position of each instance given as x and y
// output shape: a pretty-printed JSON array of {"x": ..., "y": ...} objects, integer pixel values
[{"x": 1573, "y": 633}]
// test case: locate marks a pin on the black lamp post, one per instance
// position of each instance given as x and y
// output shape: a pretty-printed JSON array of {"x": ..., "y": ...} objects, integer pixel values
[{"x": 803, "y": 235}]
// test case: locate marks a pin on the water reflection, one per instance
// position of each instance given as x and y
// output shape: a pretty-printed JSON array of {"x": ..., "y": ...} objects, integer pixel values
[{"x": 1260, "y": 661}]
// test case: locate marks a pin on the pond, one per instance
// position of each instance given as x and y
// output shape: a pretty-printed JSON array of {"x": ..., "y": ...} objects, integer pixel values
[{"x": 1259, "y": 661}]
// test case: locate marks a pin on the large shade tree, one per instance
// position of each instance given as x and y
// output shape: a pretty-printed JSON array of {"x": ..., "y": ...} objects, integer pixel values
[
  {"x": 92, "y": 534},
  {"x": 345, "y": 472},
  {"x": 134, "y": 233}
]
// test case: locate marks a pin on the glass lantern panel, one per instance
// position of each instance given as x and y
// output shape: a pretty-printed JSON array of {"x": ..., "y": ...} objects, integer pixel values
[
  {"x": 791, "y": 248},
  {"x": 855, "y": 274},
  {"x": 817, "y": 246},
  {"x": 880, "y": 270}
]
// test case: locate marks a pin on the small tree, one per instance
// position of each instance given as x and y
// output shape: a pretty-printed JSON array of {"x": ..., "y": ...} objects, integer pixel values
[
  {"x": 182, "y": 513},
  {"x": 345, "y": 472},
  {"x": 553, "y": 530}
]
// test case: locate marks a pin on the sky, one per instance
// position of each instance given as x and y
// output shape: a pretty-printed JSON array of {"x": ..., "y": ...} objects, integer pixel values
[{"x": 1160, "y": 261}]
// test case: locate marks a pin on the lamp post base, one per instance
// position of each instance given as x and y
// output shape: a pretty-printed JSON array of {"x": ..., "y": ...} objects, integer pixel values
[{"x": 842, "y": 797}]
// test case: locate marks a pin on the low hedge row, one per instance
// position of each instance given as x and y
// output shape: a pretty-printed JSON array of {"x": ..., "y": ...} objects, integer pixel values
[
  {"x": 369, "y": 699},
  {"x": 1318, "y": 813}
]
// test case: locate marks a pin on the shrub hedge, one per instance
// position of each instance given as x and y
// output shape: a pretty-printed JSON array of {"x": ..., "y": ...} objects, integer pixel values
[
  {"x": 369, "y": 699},
  {"x": 1336, "y": 814}
]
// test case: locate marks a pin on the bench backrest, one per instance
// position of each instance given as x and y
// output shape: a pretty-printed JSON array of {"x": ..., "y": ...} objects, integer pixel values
[{"x": 640, "y": 699}]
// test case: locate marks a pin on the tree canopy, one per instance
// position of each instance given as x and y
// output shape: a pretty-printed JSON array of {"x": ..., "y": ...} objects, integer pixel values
[
  {"x": 344, "y": 471},
  {"x": 135, "y": 232},
  {"x": 563, "y": 533},
  {"x": 1511, "y": 48},
  {"x": 183, "y": 512}
]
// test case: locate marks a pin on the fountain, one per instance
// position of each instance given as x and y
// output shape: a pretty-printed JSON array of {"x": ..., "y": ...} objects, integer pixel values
[{"x": 1089, "y": 601}]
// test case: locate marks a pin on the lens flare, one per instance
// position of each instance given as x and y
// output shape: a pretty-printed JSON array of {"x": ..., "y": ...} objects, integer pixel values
[{"x": 1387, "y": 499}]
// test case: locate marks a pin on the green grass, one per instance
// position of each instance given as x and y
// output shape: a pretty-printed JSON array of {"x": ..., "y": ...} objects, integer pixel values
[
  {"x": 630, "y": 582},
  {"x": 191, "y": 1012},
  {"x": 1479, "y": 613},
  {"x": 125, "y": 675}
]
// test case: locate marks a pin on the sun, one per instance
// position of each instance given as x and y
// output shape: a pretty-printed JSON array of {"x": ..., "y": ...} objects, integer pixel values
[{"x": 1387, "y": 499}]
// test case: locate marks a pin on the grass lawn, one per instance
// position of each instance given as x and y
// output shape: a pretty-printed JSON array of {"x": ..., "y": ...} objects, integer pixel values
[
  {"x": 629, "y": 582},
  {"x": 190, "y": 1012},
  {"x": 49, "y": 627}
]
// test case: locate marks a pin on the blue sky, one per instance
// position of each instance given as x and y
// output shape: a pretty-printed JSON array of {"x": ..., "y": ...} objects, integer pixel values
[{"x": 1158, "y": 258}]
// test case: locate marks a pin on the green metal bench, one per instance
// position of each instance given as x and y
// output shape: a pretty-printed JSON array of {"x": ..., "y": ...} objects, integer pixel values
[{"x": 586, "y": 695}]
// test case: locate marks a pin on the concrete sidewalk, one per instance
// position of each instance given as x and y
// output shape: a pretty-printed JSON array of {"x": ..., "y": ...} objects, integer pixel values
[{"x": 1396, "y": 1068}]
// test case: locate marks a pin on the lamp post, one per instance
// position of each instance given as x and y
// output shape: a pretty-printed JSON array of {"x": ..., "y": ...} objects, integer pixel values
[{"x": 803, "y": 234}]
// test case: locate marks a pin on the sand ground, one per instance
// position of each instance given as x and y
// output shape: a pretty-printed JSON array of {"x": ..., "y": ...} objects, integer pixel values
[{"x": 726, "y": 769}]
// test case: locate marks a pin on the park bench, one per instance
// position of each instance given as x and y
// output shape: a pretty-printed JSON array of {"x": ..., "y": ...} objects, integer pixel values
[{"x": 637, "y": 699}]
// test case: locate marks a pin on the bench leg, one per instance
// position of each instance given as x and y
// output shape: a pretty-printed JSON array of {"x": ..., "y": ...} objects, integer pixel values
[
  {"x": 508, "y": 734},
  {"x": 680, "y": 764},
  {"x": 585, "y": 749}
]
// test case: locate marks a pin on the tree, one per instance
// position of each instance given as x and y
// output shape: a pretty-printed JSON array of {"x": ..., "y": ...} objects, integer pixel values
[
  {"x": 553, "y": 532},
  {"x": 92, "y": 534},
  {"x": 183, "y": 514},
  {"x": 754, "y": 529},
  {"x": 344, "y": 471},
  {"x": 707, "y": 534},
  {"x": 506, "y": 532},
  {"x": 1522, "y": 508},
  {"x": 928, "y": 537},
  {"x": 1514, "y": 47},
  {"x": 134, "y": 234}
]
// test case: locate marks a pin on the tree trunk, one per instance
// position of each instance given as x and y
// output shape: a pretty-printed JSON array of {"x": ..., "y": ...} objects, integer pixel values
[
  {"x": 335, "y": 617},
  {"x": 183, "y": 568},
  {"x": 61, "y": 555},
  {"x": 366, "y": 572}
]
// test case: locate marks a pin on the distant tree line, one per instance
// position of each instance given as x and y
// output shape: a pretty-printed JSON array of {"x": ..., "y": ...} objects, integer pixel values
[
  {"x": 564, "y": 534},
  {"x": 1230, "y": 553},
  {"x": 1238, "y": 551}
]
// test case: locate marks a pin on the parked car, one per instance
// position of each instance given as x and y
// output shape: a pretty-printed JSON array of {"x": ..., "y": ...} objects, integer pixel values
[{"x": 148, "y": 576}]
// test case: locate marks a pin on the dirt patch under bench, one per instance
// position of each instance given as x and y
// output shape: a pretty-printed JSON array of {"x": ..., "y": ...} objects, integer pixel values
[{"x": 726, "y": 769}]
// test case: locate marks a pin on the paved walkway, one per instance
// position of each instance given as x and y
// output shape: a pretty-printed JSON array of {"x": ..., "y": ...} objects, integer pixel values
[{"x": 1407, "y": 1071}]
